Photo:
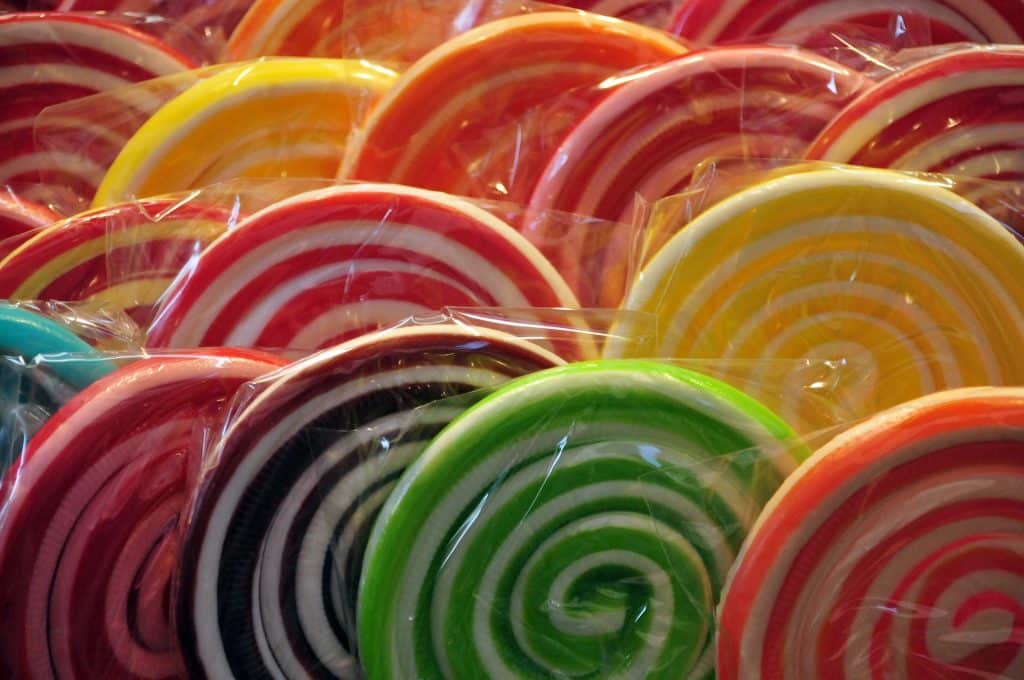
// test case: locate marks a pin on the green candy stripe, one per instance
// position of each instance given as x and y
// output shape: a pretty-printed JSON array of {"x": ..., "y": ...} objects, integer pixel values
[{"x": 577, "y": 523}]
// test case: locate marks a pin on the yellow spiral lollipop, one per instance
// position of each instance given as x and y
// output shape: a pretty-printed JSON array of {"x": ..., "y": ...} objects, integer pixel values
[{"x": 870, "y": 287}]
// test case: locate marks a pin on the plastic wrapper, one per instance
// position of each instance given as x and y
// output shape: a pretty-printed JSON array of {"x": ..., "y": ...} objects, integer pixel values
[
  {"x": 858, "y": 266},
  {"x": 58, "y": 58},
  {"x": 20, "y": 219},
  {"x": 275, "y": 118}
]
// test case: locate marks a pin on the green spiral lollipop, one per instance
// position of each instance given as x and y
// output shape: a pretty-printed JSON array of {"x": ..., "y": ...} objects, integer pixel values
[{"x": 577, "y": 523}]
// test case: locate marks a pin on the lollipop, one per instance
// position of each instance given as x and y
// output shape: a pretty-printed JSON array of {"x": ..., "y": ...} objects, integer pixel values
[
  {"x": 89, "y": 543},
  {"x": 896, "y": 551},
  {"x": 30, "y": 392},
  {"x": 576, "y": 523},
  {"x": 331, "y": 264},
  {"x": 286, "y": 27},
  {"x": 648, "y": 136},
  {"x": 936, "y": 21},
  {"x": 273, "y": 558},
  {"x": 455, "y": 119},
  {"x": 899, "y": 286},
  {"x": 47, "y": 59},
  {"x": 960, "y": 113},
  {"x": 18, "y": 219},
  {"x": 124, "y": 256},
  {"x": 647, "y": 12},
  {"x": 277, "y": 118}
]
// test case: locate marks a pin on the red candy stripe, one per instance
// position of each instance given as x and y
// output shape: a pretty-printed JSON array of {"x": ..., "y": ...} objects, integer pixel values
[
  {"x": 332, "y": 264},
  {"x": 19, "y": 220},
  {"x": 89, "y": 540},
  {"x": 895, "y": 551},
  {"x": 48, "y": 59}
]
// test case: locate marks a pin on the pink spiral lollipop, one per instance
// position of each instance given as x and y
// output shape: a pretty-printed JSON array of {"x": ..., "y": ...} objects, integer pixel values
[
  {"x": 90, "y": 536},
  {"x": 896, "y": 551},
  {"x": 332, "y": 264},
  {"x": 930, "y": 21},
  {"x": 124, "y": 256},
  {"x": 960, "y": 113},
  {"x": 51, "y": 58},
  {"x": 18, "y": 220},
  {"x": 648, "y": 136}
]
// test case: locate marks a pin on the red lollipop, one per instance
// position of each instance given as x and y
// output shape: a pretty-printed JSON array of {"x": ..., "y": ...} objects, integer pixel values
[
  {"x": 328, "y": 265},
  {"x": 91, "y": 531},
  {"x": 647, "y": 12},
  {"x": 929, "y": 21},
  {"x": 48, "y": 59},
  {"x": 18, "y": 220}
]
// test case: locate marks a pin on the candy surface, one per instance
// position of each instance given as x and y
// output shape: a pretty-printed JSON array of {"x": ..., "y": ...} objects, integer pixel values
[
  {"x": 298, "y": 28},
  {"x": 455, "y": 120},
  {"x": 276, "y": 118},
  {"x": 893, "y": 286},
  {"x": 89, "y": 543},
  {"x": 648, "y": 136},
  {"x": 960, "y": 113},
  {"x": 896, "y": 551},
  {"x": 928, "y": 21},
  {"x": 19, "y": 219},
  {"x": 331, "y": 264},
  {"x": 123, "y": 257},
  {"x": 273, "y": 557},
  {"x": 577, "y": 522},
  {"x": 48, "y": 59}
]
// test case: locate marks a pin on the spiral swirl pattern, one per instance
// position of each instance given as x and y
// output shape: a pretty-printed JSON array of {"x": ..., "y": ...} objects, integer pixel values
[
  {"x": 577, "y": 522},
  {"x": 896, "y": 551},
  {"x": 273, "y": 557}
]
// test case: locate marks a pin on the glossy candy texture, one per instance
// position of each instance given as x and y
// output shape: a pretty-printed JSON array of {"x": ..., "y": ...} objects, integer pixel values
[
  {"x": 276, "y": 118},
  {"x": 297, "y": 28},
  {"x": 900, "y": 287},
  {"x": 454, "y": 121},
  {"x": 48, "y": 59},
  {"x": 578, "y": 522},
  {"x": 896, "y": 551},
  {"x": 648, "y": 12},
  {"x": 332, "y": 264},
  {"x": 19, "y": 219},
  {"x": 960, "y": 113},
  {"x": 123, "y": 257},
  {"x": 275, "y": 549},
  {"x": 647, "y": 137},
  {"x": 90, "y": 537},
  {"x": 928, "y": 21}
]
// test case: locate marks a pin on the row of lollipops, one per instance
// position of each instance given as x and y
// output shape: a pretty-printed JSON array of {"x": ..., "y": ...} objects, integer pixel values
[{"x": 447, "y": 500}]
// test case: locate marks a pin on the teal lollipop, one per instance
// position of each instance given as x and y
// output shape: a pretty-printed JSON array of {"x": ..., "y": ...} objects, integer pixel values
[
  {"x": 578, "y": 522},
  {"x": 29, "y": 394}
]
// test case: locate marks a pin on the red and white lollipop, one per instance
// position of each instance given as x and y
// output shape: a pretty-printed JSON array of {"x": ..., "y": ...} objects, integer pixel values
[
  {"x": 477, "y": 115},
  {"x": 51, "y": 58},
  {"x": 332, "y": 264},
  {"x": 960, "y": 113},
  {"x": 90, "y": 537},
  {"x": 647, "y": 137},
  {"x": 19, "y": 219},
  {"x": 124, "y": 257},
  {"x": 929, "y": 21},
  {"x": 896, "y": 551}
]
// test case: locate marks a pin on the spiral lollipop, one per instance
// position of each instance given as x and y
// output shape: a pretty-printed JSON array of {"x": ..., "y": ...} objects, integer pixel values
[
  {"x": 958, "y": 113},
  {"x": 19, "y": 219},
  {"x": 896, "y": 551},
  {"x": 298, "y": 28},
  {"x": 275, "y": 118},
  {"x": 124, "y": 256},
  {"x": 455, "y": 120},
  {"x": 577, "y": 522},
  {"x": 29, "y": 392},
  {"x": 51, "y": 58},
  {"x": 931, "y": 21},
  {"x": 274, "y": 553},
  {"x": 325, "y": 266},
  {"x": 899, "y": 288},
  {"x": 89, "y": 542},
  {"x": 649, "y": 135}
]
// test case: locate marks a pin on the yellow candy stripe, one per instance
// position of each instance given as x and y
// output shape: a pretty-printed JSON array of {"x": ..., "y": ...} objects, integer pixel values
[
  {"x": 275, "y": 118},
  {"x": 903, "y": 286}
]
